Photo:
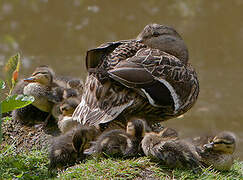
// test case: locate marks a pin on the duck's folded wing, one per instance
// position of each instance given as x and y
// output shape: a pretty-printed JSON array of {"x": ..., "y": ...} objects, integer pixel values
[
  {"x": 95, "y": 56},
  {"x": 163, "y": 78}
]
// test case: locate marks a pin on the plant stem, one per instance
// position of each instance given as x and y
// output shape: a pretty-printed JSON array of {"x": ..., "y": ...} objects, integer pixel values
[{"x": 1, "y": 135}]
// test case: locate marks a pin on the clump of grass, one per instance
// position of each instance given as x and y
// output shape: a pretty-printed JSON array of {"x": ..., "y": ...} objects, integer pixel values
[{"x": 31, "y": 165}]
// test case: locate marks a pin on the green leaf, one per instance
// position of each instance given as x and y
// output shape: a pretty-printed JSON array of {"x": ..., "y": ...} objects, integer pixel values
[
  {"x": 11, "y": 70},
  {"x": 15, "y": 102},
  {"x": 2, "y": 84}
]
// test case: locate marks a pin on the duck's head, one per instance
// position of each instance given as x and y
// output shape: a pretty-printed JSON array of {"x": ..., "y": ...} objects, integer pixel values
[
  {"x": 224, "y": 142},
  {"x": 164, "y": 38},
  {"x": 136, "y": 128},
  {"x": 41, "y": 75},
  {"x": 68, "y": 106}
]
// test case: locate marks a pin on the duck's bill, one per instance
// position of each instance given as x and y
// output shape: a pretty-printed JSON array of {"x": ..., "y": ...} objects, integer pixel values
[
  {"x": 208, "y": 146},
  {"x": 30, "y": 79}
]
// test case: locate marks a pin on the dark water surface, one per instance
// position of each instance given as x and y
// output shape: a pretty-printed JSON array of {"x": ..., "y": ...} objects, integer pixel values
[{"x": 58, "y": 33}]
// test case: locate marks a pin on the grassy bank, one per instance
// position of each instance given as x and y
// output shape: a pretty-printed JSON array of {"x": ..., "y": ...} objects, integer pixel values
[{"x": 33, "y": 165}]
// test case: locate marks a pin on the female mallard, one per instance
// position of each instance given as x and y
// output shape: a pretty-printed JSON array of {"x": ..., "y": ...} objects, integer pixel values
[{"x": 149, "y": 77}]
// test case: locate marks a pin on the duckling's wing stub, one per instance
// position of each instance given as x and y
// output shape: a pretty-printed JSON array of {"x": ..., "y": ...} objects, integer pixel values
[{"x": 95, "y": 56}]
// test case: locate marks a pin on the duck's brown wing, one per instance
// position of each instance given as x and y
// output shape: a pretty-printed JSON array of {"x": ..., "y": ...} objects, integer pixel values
[
  {"x": 95, "y": 56},
  {"x": 162, "y": 78}
]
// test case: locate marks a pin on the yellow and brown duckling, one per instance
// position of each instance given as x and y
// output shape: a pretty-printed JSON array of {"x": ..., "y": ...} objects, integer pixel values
[
  {"x": 218, "y": 152},
  {"x": 65, "y": 121},
  {"x": 165, "y": 84},
  {"x": 119, "y": 142},
  {"x": 68, "y": 148},
  {"x": 170, "y": 151},
  {"x": 40, "y": 86}
]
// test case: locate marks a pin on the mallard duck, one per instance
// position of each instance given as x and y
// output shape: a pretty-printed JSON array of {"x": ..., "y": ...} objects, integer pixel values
[
  {"x": 171, "y": 151},
  {"x": 67, "y": 148},
  {"x": 147, "y": 77},
  {"x": 218, "y": 152},
  {"x": 119, "y": 142},
  {"x": 65, "y": 121}
]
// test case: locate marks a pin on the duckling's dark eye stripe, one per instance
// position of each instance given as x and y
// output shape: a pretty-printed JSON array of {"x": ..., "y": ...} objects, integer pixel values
[{"x": 223, "y": 142}]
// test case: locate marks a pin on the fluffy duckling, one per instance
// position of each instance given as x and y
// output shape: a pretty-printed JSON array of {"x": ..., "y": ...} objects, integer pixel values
[
  {"x": 119, "y": 142},
  {"x": 76, "y": 84},
  {"x": 40, "y": 86},
  {"x": 67, "y": 148},
  {"x": 65, "y": 121},
  {"x": 218, "y": 153},
  {"x": 167, "y": 148}
]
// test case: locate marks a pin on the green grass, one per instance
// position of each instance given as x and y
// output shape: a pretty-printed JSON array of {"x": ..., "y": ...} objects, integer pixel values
[{"x": 33, "y": 165}]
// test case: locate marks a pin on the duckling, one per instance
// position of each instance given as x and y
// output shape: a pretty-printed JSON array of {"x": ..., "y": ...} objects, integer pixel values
[
  {"x": 218, "y": 153},
  {"x": 169, "y": 150},
  {"x": 67, "y": 148},
  {"x": 76, "y": 84},
  {"x": 119, "y": 142},
  {"x": 65, "y": 121},
  {"x": 40, "y": 86}
]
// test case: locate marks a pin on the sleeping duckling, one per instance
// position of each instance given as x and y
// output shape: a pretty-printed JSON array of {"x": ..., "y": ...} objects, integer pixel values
[
  {"x": 119, "y": 142},
  {"x": 65, "y": 121},
  {"x": 168, "y": 149},
  {"x": 219, "y": 151},
  {"x": 68, "y": 148}
]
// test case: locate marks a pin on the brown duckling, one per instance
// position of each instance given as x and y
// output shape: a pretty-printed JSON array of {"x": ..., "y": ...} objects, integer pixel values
[
  {"x": 169, "y": 150},
  {"x": 119, "y": 142},
  {"x": 67, "y": 148},
  {"x": 65, "y": 121},
  {"x": 218, "y": 152},
  {"x": 76, "y": 84}
]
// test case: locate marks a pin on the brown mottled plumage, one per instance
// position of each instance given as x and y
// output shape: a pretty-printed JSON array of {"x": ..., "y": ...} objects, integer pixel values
[{"x": 149, "y": 77}]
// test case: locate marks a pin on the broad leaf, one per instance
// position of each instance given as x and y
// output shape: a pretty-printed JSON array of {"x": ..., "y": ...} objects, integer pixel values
[
  {"x": 11, "y": 70},
  {"x": 2, "y": 84},
  {"x": 15, "y": 102}
]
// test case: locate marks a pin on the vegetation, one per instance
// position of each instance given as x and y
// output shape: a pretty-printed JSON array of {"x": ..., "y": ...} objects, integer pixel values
[
  {"x": 12, "y": 102},
  {"x": 33, "y": 165}
]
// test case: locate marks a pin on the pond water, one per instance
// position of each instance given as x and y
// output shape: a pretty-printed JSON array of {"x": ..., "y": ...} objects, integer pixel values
[{"x": 59, "y": 32}]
